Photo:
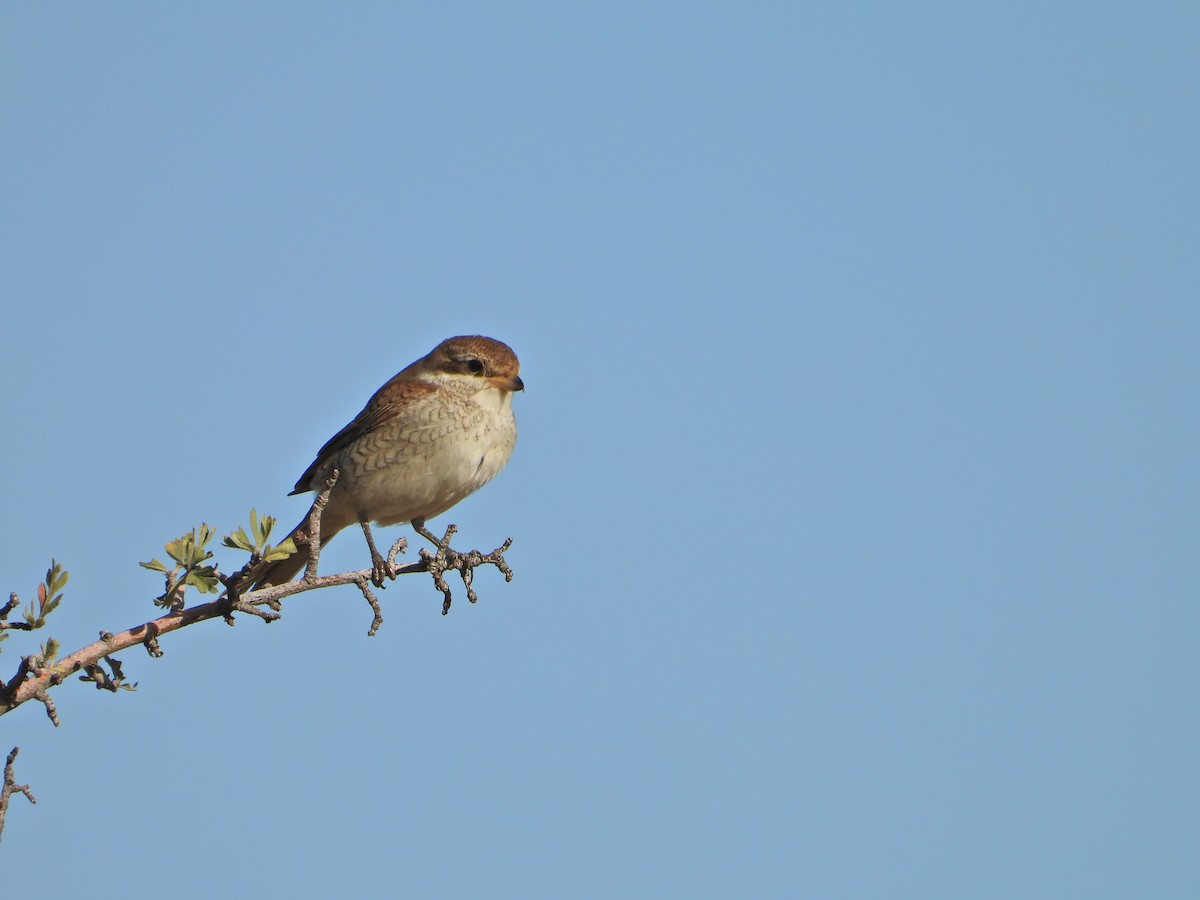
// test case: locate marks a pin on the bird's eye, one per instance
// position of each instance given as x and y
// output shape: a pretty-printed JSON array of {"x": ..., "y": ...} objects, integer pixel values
[{"x": 474, "y": 366}]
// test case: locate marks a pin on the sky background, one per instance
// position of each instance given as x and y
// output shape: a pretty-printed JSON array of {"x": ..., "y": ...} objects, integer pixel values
[{"x": 855, "y": 502}]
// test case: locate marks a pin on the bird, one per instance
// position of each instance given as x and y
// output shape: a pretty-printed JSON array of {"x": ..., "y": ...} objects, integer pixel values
[{"x": 435, "y": 433}]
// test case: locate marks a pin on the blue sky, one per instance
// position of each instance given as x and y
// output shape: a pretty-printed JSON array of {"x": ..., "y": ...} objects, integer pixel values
[{"x": 855, "y": 499}]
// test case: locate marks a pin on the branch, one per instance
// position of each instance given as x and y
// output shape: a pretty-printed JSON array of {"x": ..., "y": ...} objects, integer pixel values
[
  {"x": 13, "y": 602},
  {"x": 33, "y": 679},
  {"x": 38, "y": 673},
  {"x": 11, "y": 787},
  {"x": 447, "y": 558},
  {"x": 36, "y": 676}
]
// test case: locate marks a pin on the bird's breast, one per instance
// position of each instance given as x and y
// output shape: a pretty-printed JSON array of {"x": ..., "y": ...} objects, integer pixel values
[{"x": 421, "y": 464}]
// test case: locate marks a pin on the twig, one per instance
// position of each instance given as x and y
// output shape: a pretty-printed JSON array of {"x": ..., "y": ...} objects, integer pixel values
[
  {"x": 51, "y": 709},
  {"x": 104, "y": 681},
  {"x": 35, "y": 677},
  {"x": 267, "y": 615},
  {"x": 13, "y": 602},
  {"x": 314, "y": 525},
  {"x": 54, "y": 675},
  {"x": 374, "y": 601},
  {"x": 447, "y": 558},
  {"x": 11, "y": 787}
]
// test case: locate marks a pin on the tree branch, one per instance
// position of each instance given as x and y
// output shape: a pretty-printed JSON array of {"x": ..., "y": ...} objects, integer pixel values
[
  {"x": 35, "y": 676},
  {"x": 23, "y": 688}
]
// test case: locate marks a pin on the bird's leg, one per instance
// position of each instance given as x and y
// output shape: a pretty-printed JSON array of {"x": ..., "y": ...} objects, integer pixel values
[
  {"x": 379, "y": 566},
  {"x": 418, "y": 525}
]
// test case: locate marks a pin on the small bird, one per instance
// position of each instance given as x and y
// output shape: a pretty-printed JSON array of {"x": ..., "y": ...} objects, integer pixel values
[{"x": 435, "y": 433}]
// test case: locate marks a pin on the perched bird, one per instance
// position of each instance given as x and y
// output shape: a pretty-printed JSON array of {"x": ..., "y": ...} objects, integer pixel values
[{"x": 435, "y": 433}]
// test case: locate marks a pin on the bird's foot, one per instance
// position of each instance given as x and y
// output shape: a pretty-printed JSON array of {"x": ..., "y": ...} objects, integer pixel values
[{"x": 381, "y": 570}]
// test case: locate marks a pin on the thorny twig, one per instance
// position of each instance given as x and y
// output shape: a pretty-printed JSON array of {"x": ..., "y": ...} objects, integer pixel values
[
  {"x": 447, "y": 558},
  {"x": 103, "y": 681},
  {"x": 392, "y": 571},
  {"x": 13, "y": 602},
  {"x": 11, "y": 787},
  {"x": 233, "y": 583},
  {"x": 44, "y": 675},
  {"x": 314, "y": 524},
  {"x": 35, "y": 677}
]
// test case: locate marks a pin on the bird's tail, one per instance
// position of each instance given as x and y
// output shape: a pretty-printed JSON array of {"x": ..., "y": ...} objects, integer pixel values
[{"x": 281, "y": 570}]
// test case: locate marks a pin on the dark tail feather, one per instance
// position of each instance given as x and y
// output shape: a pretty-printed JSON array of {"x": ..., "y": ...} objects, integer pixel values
[{"x": 282, "y": 570}]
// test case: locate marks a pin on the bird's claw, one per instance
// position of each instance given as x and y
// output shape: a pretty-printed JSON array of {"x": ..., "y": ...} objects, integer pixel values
[{"x": 381, "y": 570}]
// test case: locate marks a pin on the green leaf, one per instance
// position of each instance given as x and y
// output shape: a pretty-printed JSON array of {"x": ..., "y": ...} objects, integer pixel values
[
  {"x": 154, "y": 565},
  {"x": 203, "y": 579},
  {"x": 178, "y": 550},
  {"x": 205, "y": 534},
  {"x": 239, "y": 540},
  {"x": 56, "y": 577},
  {"x": 283, "y": 551},
  {"x": 50, "y": 650}
]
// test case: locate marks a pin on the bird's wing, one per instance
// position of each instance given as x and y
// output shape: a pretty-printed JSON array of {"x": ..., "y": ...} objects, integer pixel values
[{"x": 397, "y": 402}]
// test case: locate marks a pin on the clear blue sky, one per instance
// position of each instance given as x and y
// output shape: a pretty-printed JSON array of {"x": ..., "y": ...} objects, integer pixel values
[{"x": 855, "y": 502}]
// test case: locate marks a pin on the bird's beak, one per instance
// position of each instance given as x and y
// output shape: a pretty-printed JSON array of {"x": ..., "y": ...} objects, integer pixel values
[{"x": 506, "y": 383}]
